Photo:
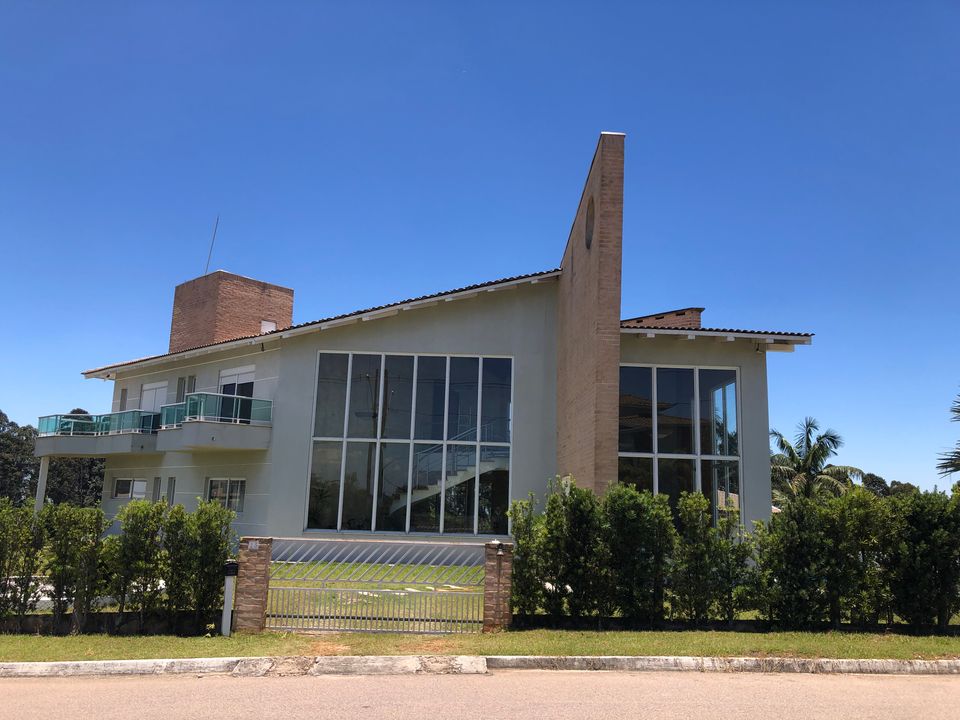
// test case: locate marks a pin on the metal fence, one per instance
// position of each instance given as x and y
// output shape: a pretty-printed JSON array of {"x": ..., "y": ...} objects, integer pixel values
[{"x": 376, "y": 586}]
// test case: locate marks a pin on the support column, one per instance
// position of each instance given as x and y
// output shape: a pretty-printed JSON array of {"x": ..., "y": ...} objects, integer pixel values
[
  {"x": 497, "y": 585},
  {"x": 253, "y": 582},
  {"x": 41, "y": 484}
]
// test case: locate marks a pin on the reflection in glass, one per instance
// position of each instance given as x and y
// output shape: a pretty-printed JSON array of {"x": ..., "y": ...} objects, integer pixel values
[
  {"x": 637, "y": 472},
  {"x": 675, "y": 477},
  {"x": 364, "y": 396},
  {"x": 462, "y": 399},
  {"x": 392, "y": 493},
  {"x": 494, "y": 490},
  {"x": 720, "y": 482},
  {"x": 459, "y": 493},
  {"x": 358, "y": 486},
  {"x": 427, "y": 479},
  {"x": 397, "y": 396},
  {"x": 331, "y": 395},
  {"x": 431, "y": 389},
  {"x": 718, "y": 412},
  {"x": 636, "y": 409},
  {"x": 495, "y": 406},
  {"x": 675, "y": 410},
  {"x": 324, "y": 484}
]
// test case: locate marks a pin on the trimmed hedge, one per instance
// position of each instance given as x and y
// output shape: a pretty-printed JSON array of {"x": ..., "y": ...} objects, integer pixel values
[
  {"x": 162, "y": 559},
  {"x": 856, "y": 558}
]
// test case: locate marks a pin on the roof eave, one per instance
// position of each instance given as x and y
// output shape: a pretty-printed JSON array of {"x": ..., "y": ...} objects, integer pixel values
[
  {"x": 109, "y": 372},
  {"x": 693, "y": 333}
]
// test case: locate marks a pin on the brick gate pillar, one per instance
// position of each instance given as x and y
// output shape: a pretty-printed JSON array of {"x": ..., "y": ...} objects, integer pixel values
[
  {"x": 253, "y": 581},
  {"x": 497, "y": 573}
]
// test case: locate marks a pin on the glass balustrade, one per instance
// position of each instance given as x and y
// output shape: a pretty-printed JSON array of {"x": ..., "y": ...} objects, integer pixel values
[
  {"x": 210, "y": 407},
  {"x": 129, "y": 421}
]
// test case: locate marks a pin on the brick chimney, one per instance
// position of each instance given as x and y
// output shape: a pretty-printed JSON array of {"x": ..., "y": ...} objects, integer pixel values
[{"x": 223, "y": 306}]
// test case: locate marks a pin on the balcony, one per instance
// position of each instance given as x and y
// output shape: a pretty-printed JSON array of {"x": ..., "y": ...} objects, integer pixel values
[
  {"x": 97, "y": 435},
  {"x": 213, "y": 421}
]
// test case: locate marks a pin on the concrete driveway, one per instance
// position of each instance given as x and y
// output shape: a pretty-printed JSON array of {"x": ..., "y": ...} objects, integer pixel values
[{"x": 504, "y": 694}]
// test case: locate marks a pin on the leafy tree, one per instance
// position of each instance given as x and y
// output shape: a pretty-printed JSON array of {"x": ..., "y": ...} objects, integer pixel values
[
  {"x": 91, "y": 574},
  {"x": 902, "y": 488},
  {"x": 18, "y": 466},
  {"x": 950, "y": 461},
  {"x": 875, "y": 484},
  {"x": 923, "y": 558},
  {"x": 527, "y": 580},
  {"x": 181, "y": 558},
  {"x": 27, "y": 540},
  {"x": 693, "y": 577},
  {"x": 640, "y": 537},
  {"x": 800, "y": 469},
  {"x": 8, "y": 521}
]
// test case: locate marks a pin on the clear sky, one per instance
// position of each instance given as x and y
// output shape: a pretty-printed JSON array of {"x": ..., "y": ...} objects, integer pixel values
[{"x": 790, "y": 166}]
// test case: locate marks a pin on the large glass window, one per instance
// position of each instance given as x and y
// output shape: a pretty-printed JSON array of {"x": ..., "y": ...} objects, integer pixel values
[
  {"x": 679, "y": 432},
  {"x": 636, "y": 417},
  {"x": 331, "y": 395},
  {"x": 364, "y": 396},
  {"x": 431, "y": 390},
  {"x": 463, "y": 396},
  {"x": 397, "y": 396},
  {"x": 368, "y": 473},
  {"x": 496, "y": 399}
]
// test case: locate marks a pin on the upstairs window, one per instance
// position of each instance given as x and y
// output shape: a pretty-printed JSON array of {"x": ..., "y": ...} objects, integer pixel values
[{"x": 679, "y": 432}]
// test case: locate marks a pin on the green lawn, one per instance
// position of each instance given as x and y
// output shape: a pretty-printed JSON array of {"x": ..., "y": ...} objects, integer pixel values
[{"x": 531, "y": 642}]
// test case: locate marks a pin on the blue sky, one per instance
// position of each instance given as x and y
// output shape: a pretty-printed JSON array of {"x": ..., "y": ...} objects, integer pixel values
[{"x": 790, "y": 166}]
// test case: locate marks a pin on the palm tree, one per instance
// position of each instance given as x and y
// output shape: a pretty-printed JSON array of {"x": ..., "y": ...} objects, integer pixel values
[
  {"x": 800, "y": 469},
  {"x": 950, "y": 461}
]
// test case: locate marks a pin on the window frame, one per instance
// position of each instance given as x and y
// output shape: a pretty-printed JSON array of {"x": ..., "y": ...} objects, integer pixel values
[
  {"x": 411, "y": 441},
  {"x": 242, "y": 481},
  {"x": 698, "y": 456},
  {"x": 129, "y": 495}
]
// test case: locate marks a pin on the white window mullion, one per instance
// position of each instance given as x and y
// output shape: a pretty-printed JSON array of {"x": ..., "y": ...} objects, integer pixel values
[
  {"x": 343, "y": 452},
  {"x": 443, "y": 457},
  {"x": 413, "y": 425}
]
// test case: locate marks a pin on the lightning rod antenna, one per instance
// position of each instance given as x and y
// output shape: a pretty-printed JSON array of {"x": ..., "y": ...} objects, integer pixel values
[{"x": 212, "y": 241}]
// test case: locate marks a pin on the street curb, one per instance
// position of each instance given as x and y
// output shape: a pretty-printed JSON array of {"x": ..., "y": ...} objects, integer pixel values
[
  {"x": 618, "y": 663},
  {"x": 257, "y": 666},
  {"x": 287, "y": 666}
]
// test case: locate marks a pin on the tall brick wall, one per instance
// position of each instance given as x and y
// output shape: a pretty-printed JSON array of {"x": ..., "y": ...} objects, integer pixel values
[
  {"x": 223, "y": 306},
  {"x": 588, "y": 353}
]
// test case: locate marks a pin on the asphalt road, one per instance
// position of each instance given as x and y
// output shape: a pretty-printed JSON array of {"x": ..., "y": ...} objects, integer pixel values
[{"x": 505, "y": 694}]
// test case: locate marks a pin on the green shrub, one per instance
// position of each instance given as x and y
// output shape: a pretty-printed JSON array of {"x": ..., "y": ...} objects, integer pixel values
[
  {"x": 527, "y": 582},
  {"x": 853, "y": 525},
  {"x": 923, "y": 557},
  {"x": 572, "y": 558},
  {"x": 640, "y": 540},
  {"x": 693, "y": 581},
  {"x": 213, "y": 537},
  {"x": 791, "y": 565},
  {"x": 734, "y": 570},
  {"x": 8, "y": 519},
  {"x": 72, "y": 559},
  {"x": 180, "y": 558},
  {"x": 134, "y": 556}
]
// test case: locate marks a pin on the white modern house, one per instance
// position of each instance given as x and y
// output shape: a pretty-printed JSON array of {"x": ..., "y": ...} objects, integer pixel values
[{"x": 427, "y": 416}]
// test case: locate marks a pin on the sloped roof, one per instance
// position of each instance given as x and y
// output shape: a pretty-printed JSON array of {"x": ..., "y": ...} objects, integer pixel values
[
  {"x": 489, "y": 285},
  {"x": 633, "y": 325}
]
